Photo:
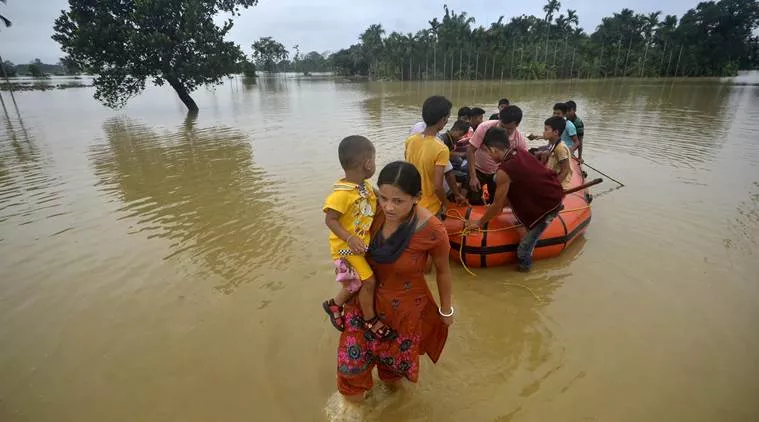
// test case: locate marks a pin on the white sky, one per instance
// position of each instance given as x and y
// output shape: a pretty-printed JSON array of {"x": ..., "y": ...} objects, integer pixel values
[{"x": 316, "y": 25}]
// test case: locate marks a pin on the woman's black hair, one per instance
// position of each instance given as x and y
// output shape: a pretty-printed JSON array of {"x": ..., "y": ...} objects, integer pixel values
[{"x": 402, "y": 175}]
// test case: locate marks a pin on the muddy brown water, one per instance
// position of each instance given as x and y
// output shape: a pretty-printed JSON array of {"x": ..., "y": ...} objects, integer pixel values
[{"x": 156, "y": 268}]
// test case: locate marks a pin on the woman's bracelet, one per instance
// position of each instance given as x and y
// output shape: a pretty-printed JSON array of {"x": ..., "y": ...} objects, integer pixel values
[{"x": 448, "y": 315}]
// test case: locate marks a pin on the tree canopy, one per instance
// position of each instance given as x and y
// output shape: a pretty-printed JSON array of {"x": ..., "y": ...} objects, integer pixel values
[
  {"x": 712, "y": 39},
  {"x": 128, "y": 42},
  {"x": 267, "y": 53}
]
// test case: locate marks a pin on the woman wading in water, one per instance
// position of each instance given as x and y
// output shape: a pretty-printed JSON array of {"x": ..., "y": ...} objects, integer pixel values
[{"x": 406, "y": 235}]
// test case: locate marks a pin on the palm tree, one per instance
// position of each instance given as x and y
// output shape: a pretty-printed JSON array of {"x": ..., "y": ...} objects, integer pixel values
[
  {"x": 651, "y": 23},
  {"x": 550, "y": 8},
  {"x": 5, "y": 20},
  {"x": 372, "y": 41},
  {"x": 572, "y": 18}
]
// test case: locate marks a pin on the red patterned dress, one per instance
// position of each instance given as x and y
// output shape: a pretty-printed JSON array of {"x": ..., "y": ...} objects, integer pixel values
[{"x": 405, "y": 303}]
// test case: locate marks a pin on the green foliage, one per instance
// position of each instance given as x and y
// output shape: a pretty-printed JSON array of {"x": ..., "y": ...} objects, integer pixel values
[
  {"x": 69, "y": 66},
  {"x": 267, "y": 53},
  {"x": 128, "y": 42},
  {"x": 248, "y": 69},
  {"x": 313, "y": 62},
  {"x": 713, "y": 39},
  {"x": 351, "y": 61},
  {"x": 9, "y": 69},
  {"x": 35, "y": 71}
]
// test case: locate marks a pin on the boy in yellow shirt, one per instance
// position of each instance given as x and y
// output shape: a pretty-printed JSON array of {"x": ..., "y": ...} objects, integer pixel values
[
  {"x": 429, "y": 155},
  {"x": 349, "y": 212}
]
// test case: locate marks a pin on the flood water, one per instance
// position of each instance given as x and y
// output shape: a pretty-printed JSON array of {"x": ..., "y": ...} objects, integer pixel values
[{"x": 158, "y": 269}]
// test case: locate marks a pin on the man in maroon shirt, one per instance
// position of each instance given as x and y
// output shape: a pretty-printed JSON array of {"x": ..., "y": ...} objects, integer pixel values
[{"x": 533, "y": 191}]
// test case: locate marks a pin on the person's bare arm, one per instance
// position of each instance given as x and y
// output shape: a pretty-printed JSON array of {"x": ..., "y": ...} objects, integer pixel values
[
  {"x": 474, "y": 183},
  {"x": 564, "y": 164},
  {"x": 501, "y": 191},
  {"x": 443, "y": 275},
  {"x": 457, "y": 195},
  {"x": 439, "y": 189},
  {"x": 575, "y": 143}
]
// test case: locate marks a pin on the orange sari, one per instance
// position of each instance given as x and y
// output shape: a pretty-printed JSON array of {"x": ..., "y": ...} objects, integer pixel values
[{"x": 405, "y": 303}]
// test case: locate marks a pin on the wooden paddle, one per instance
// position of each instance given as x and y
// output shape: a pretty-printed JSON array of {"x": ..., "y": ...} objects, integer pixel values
[{"x": 583, "y": 186}]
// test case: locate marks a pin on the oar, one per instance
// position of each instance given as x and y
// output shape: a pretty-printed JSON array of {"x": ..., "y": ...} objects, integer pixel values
[
  {"x": 603, "y": 174},
  {"x": 583, "y": 186}
]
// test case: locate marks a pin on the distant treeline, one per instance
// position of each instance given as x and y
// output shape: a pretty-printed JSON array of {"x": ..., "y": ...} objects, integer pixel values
[
  {"x": 37, "y": 69},
  {"x": 713, "y": 39}
]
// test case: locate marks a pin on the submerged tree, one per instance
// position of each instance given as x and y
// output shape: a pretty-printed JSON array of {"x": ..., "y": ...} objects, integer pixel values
[
  {"x": 267, "y": 52},
  {"x": 35, "y": 71},
  {"x": 125, "y": 43}
]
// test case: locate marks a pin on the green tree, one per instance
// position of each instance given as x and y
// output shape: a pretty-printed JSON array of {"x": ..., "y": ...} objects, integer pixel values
[
  {"x": 69, "y": 66},
  {"x": 248, "y": 69},
  {"x": 372, "y": 44},
  {"x": 267, "y": 52},
  {"x": 35, "y": 71},
  {"x": 125, "y": 43},
  {"x": 350, "y": 61},
  {"x": 714, "y": 38},
  {"x": 9, "y": 69},
  {"x": 314, "y": 62},
  {"x": 297, "y": 58}
]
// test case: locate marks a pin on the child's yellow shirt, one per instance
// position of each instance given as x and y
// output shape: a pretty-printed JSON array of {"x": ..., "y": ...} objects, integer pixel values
[{"x": 356, "y": 205}]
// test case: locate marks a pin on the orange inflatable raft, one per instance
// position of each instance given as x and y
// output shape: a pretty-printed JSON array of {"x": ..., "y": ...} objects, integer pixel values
[{"x": 497, "y": 243}]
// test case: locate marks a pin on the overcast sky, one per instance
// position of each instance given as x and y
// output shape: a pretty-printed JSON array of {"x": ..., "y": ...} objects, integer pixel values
[{"x": 331, "y": 25}]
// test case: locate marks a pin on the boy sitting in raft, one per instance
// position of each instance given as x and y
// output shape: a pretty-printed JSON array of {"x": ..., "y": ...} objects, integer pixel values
[
  {"x": 569, "y": 136},
  {"x": 477, "y": 117},
  {"x": 532, "y": 190},
  {"x": 349, "y": 212},
  {"x": 558, "y": 155},
  {"x": 579, "y": 125},
  {"x": 452, "y": 139},
  {"x": 502, "y": 103}
]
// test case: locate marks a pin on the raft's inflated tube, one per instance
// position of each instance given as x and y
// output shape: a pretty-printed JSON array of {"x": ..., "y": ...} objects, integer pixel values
[{"x": 497, "y": 243}]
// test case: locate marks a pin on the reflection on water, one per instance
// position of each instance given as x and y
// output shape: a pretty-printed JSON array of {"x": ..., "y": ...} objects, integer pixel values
[
  {"x": 198, "y": 189},
  {"x": 28, "y": 192}
]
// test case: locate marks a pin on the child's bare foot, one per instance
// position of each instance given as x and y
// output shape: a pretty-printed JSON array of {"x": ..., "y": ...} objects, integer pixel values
[
  {"x": 335, "y": 313},
  {"x": 378, "y": 330}
]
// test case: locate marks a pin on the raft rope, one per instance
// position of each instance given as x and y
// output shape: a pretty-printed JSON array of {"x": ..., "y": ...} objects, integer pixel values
[{"x": 466, "y": 231}]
